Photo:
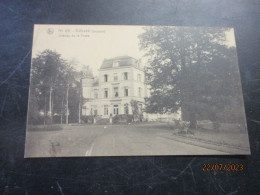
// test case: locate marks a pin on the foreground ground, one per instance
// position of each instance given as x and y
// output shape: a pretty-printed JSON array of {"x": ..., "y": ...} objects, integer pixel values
[{"x": 110, "y": 140}]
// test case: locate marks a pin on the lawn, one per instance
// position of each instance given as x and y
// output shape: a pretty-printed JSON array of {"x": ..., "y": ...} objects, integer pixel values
[
  {"x": 228, "y": 138},
  {"x": 74, "y": 139},
  {"x": 54, "y": 127}
]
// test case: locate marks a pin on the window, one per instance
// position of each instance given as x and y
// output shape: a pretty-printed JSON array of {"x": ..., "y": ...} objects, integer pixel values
[
  {"x": 116, "y": 111},
  {"x": 105, "y": 78},
  {"x": 126, "y": 91},
  {"x": 116, "y": 91},
  {"x": 105, "y": 93},
  {"x": 105, "y": 109},
  {"x": 94, "y": 110},
  {"x": 126, "y": 109},
  {"x": 115, "y": 77},
  {"x": 139, "y": 77},
  {"x": 125, "y": 76},
  {"x": 140, "y": 92},
  {"x": 115, "y": 64}
]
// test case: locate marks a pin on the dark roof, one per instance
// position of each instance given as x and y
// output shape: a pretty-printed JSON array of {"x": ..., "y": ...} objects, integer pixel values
[{"x": 122, "y": 60}]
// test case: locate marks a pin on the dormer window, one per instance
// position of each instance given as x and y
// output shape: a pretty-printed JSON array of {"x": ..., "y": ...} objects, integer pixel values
[
  {"x": 115, "y": 64},
  {"x": 105, "y": 78}
]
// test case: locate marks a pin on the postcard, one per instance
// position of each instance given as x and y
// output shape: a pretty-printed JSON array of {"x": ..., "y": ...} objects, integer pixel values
[{"x": 118, "y": 90}]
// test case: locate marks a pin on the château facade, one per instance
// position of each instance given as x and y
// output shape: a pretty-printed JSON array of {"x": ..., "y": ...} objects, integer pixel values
[{"x": 120, "y": 80}]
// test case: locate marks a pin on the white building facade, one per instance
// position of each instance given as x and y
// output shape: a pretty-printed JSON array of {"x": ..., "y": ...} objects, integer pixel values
[{"x": 120, "y": 80}]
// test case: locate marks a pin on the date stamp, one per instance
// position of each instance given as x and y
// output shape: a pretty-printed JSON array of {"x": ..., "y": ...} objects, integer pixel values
[{"x": 223, "y": 167}]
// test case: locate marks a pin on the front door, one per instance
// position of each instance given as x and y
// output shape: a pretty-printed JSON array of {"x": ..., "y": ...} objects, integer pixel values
[
  {"x": 116, "y": 110},
  {"x": 95, "y": 112}
]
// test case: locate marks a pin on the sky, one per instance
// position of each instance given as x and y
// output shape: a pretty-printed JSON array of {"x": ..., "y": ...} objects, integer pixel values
[{"x": 91, "y": 44}]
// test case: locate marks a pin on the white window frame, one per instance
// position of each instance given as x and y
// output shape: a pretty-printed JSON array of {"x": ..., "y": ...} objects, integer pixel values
[
  {"x": 126, "y": 108},
  {"x": 105, "y": 110},
  {"x": 115, "y": 63}
]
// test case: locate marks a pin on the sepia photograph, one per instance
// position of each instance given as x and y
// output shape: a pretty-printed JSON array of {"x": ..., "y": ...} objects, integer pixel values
[{"x": 118, "y": 90}]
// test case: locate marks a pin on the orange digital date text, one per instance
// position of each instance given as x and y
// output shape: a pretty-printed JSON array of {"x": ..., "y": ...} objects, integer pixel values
[{"x": 223, "y": 167}]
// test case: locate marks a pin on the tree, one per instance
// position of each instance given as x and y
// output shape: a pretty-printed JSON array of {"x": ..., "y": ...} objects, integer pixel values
[
  {"x": 55, "y": 89},
  {"x": 86, "y": 71},
  {"x": 49, "y": 74},
  {"x": 191, "y": 69},
  {"x": 211, "y": 87},
  {"x": 33, "y": 114},
  {"x": 136, "y": 110}
]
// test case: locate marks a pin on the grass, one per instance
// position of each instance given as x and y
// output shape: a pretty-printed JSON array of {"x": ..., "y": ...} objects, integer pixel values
[
  {"x": 44, "y": 127},
  {"x": 228, "y": 138}
]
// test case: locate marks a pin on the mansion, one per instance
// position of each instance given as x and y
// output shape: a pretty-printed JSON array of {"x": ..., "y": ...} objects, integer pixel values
[{"x": 120, "y": 80}]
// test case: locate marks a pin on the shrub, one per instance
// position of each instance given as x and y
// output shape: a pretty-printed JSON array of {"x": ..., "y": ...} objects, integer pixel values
[
  {"x": 125, "y": 118},
  {"x": 87, "y": 119},
  {"x": 216, "y": 125},
  {"x": 178, "y": 124}
]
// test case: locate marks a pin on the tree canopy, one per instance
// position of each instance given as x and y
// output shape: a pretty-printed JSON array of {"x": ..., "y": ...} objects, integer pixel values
[
  {"x": 55, "y": 88},
  {"x": 192, "y": 69}
]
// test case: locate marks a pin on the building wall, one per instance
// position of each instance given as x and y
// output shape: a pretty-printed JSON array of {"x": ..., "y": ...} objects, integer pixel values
[{"x": 134, "y": 83}]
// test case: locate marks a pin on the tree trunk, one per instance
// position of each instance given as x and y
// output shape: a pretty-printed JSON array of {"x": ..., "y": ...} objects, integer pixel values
[
  {"x": 79, "y": 103},
  {"x": 67, "y": 105},
  {"x": 79, "y": 121},
  {"x": 183, "y": 73},
  {"x": 215, "y": 122},
  {"x": 45, "y": 110},
  {"x": 193, "y": 121},
  {"x": 61, "y": 112},
  {"x": 50, "y": 105},
  {"x": 52, "y": 102}
]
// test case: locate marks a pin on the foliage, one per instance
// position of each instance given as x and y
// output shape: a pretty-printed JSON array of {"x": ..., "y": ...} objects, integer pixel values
[
  {"x": 33, "y": 116},
  {"x": 87, "y": 119},
  {"x": 55, "y": 89},
  {"x": 45, "y": 71},
  {"x": 137, "y": 113},
  {"x": 190, "y": 68},
  {"x": 178, "y": 124},
  {"x": 128, "y": 118}
]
